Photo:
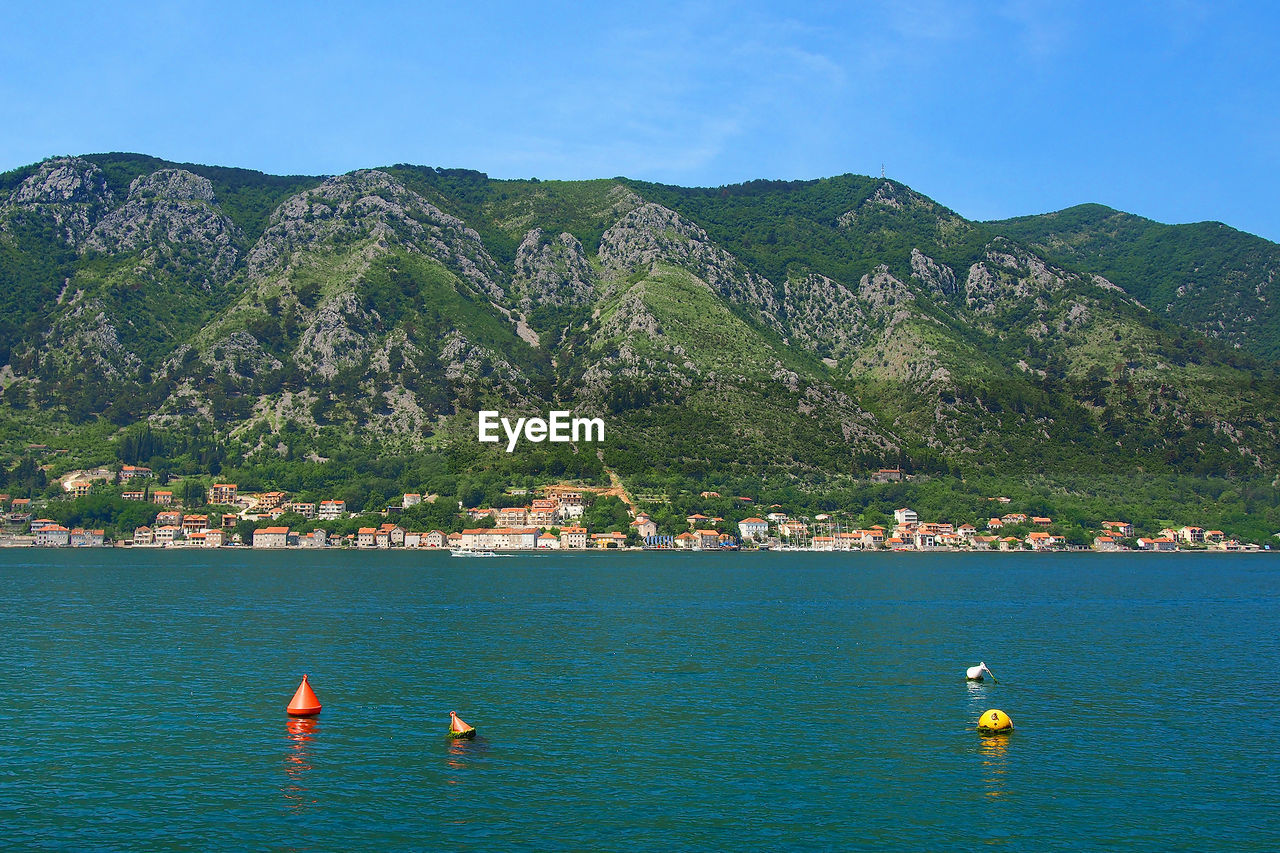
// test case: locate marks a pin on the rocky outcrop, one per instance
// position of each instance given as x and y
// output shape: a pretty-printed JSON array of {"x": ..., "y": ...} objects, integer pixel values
[
  {"x": 823, "y": 315},
  {"x": 887, "y": 195},
  {"x": 241, "y": 356},
  {"x": 552, "y": 271},
  {"x": 652, "y": 233},
  {"x": 883, "y": 292},
  {"x": 68, "y": 193},
  {"x": 1007, "y": 275},
  {"x": 371, "y": 206},
  {"x": 338, "y": 336},
  {"x": 631, "y": 316},
  {"x": 172, "y": 219},
  {"x": 84, "y": 334},
  {"x": 937, "y": 277},
  {"x": 466, "y": 363}
]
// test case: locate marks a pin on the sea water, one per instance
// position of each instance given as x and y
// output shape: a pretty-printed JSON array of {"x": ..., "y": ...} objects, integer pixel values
[{"x": 649, "y": 701}]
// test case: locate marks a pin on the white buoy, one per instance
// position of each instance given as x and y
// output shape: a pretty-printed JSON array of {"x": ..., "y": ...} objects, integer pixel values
[{"x": 975, "y": 673}]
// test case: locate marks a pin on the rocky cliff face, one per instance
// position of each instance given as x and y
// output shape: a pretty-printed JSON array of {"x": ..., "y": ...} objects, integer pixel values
[
  {"x": 652, "y": 233},
  {"x": 67, "y": 193},
  {"x": 171, "y": 219},
  {"x": 552, "y": 270},
  {"x": 374, "y": 208},
  {"x": 366, "y": 307}
]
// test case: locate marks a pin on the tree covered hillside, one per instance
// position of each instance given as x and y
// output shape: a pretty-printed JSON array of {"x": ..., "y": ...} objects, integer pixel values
[{"x": 767, "y": 337}]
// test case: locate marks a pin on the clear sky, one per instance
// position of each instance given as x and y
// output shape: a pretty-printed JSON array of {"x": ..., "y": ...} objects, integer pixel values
[{"x": 993, "y": 107}]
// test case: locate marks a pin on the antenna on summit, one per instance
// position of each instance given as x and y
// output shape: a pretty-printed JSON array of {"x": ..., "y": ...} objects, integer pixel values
[{"x": 882, "y": 170}]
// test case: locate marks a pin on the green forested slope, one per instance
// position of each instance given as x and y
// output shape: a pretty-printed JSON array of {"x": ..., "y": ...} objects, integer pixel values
[
  {"x": 1205, "y": 276},
  {"x": 781, "y": 338}
]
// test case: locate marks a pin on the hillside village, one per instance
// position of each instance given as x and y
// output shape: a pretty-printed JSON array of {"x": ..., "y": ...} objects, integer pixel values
[{"x": 227, "y": 517}]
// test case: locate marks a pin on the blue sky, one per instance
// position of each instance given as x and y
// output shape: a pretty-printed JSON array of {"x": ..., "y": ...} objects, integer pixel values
[{"x": 1001, "y": 108}]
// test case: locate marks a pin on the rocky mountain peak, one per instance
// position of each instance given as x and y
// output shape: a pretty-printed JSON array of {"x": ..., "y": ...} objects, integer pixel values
[
  {"x": 652, "y": 233},
  {"x": 172, "y": 185},
  {"x": 170, "y": 217},
  {"x": 370, "y": 205},
  {"x": 68, "y": 192}
]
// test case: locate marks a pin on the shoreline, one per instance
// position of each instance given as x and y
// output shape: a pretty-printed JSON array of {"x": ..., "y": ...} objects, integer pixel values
[{"x": 128, "y": 546}]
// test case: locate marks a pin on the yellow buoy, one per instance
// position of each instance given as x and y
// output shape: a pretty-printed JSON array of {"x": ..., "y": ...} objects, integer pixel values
[{"x": 995, "y": 722}]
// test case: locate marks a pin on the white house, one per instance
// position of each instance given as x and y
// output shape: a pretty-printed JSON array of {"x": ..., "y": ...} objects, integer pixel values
[
  {"x": 905, "y": 517},
  {"x": 53, "y": 535},
  {"x": 753, "y": 528}
]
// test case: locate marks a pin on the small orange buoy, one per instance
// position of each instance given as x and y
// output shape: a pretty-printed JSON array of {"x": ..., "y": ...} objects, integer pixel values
[
  {"x": 457, "y": 728},
  {"x": 305, "y": 703}
]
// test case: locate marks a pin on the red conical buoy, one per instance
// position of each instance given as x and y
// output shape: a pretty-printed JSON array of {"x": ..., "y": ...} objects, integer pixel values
[
  {"x": 305, "y": 703},
  {"x": 457, "y": 728}
]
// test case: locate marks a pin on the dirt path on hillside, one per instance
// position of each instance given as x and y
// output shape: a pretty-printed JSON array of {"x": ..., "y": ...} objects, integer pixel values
[{"x": 614, "y": 489}]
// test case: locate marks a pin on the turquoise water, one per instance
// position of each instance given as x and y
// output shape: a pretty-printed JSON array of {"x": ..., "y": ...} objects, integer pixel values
[{"x": 638, "y": 701}]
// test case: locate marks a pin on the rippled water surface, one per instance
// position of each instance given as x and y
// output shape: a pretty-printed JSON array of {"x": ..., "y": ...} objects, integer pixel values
[{"x": 639, "y": 701}]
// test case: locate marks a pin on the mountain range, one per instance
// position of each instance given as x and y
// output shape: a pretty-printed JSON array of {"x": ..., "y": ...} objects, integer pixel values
[{"x": 784, "y": 334}]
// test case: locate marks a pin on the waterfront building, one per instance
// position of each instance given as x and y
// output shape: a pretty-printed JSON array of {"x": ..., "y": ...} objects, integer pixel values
[
  {"x": 271, "y": 537},
  {"x": 603, "y": 541},
  {"x": 194, "y": 523},
  {"x": 1105, "y": 543},
  {"x": 315, "y": 539},
  {"x": 1191, "y": 535},
  {"x": 753, "y": 529},
  {"x": 573, "y": 538},
  {"x": 52, "y": 536},
  {"x": 81, "y": 538},
  {"x": 644, "y": 526},
  {"x": 707, "y": 540},
  {"x": 394, "y": 534}
]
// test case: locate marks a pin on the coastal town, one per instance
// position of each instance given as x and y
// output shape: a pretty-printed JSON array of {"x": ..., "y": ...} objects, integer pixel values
[{"x": 551, "y": 519}]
